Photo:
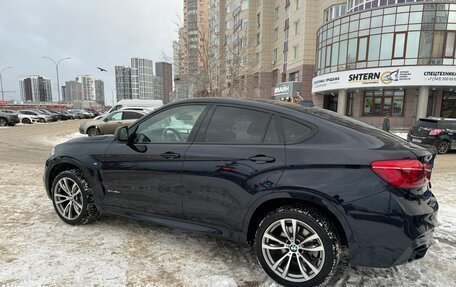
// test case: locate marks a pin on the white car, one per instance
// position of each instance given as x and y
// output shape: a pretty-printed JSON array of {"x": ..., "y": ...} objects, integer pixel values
[{"x": 25, "y": 119}]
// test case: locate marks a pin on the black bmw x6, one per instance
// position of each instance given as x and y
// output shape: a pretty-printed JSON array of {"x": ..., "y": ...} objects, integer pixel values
[{"x": 297, "y": 183}]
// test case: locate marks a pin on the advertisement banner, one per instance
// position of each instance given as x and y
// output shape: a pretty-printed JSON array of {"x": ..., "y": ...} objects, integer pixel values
[{"x": 386, "y": 77}]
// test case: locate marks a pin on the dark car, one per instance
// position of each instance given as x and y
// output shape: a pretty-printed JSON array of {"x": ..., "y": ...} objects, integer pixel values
[
  {"x": 8, "y": 119},
  {"x": 297, "y": 183},
  {"x": 439, "y": 132}
]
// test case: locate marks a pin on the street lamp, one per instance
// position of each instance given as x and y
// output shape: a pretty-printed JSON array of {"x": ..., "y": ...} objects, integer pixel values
[
  {"x": 57, "y": 71},
  {"x": 1, "y": 82}
]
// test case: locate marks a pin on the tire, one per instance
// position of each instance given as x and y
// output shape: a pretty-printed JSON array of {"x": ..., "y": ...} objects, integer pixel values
[
  {"x": 41, "y": 120},
  {"x": 93, "y": 132},
  {"x": 72, "y": 198},
  {"x": 305, "y": 267},
  {"x": 443, "y": 147},
  {"x": 3, "y": 122},
  {"x": 26, "y": 121}
]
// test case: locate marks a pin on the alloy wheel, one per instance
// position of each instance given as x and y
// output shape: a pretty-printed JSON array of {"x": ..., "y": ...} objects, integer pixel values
[
  {"x": 3, "y": 122},
  {"x": 293, "y": 250},
  {"x": 68, "y": 198},
  {"x": 443, "y": 147}
]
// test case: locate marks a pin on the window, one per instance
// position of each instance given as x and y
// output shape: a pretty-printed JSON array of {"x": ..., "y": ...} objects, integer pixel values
[
  {"x": 258, "y": 38},
  {"x": 131, "y": 116},
  {"x": 258, "y": 19},
  {"x": 245, "y": 5},
  {"x": 383, "y": 102},
  {"x": 114, "y": 117},
  {"x": 362, "y": 49},
  {"x": 294, "y": 131},
  {"x": 275, "y": 77},
  {"x": 374, "y": 47},
  {"x": 275, "y": 54},
  {"x": 295, "y": 52},
  {"x": 335, "y": 54},
  {"x": 272, "y": 134},
  {"x": 437, "y": 46},
  {"x": 170, "y": 126},
  {"x": 298, "y": 4},
  {"x": 450, "y": 44},
  {"x": 399, "y": 45},
  {"x": 236, "y": 125},
  {"x": 387, "y": 46},
  {"x": 413, "y": 40},
  {"x": 276, "y": 34},
  {"x": 297, "y": 27},
  {"x": 352, "y": 45},
  {"x": 276, "y": 13},
  {"x": 294, "y": 77},
  {"x": 343, "y": 53}
]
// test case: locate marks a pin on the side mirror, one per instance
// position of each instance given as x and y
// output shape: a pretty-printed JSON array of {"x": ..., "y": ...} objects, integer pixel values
[{"x": 121, "y": 134}]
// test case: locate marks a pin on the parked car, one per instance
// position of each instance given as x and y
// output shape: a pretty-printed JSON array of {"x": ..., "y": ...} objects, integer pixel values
[
  {"x": 297, "y": 183},
  {"x": 75, "y": 114},
  {"x": 136, "y": 103},
  {"x": 439, "y": 132},
  {"x": 109, "y": 123},
  {"x": 8, "y": 119},
  {"x": 42, "y": 118},
  {"x": 83, "y": 113},
  {"x": 54, "y": 117},
  {"x": 25, "y": 119}
]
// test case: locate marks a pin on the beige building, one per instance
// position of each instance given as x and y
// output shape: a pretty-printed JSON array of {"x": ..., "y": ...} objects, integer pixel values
[{"x": 263, "y": 43}]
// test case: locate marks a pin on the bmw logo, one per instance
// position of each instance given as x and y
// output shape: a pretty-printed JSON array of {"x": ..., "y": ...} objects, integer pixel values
[{"x": 293, "y": 248}]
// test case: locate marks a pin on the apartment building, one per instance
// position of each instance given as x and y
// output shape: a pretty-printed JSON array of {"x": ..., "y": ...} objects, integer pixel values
[
  {"x": 72, "y": 91},
  {"x": 123, "y": 82},
  {"x": 35, "y": 89},
  {"x": 99, "y": 92},
  {"x": 164, "y": 71},
  {"x": 88, "y": 87}
]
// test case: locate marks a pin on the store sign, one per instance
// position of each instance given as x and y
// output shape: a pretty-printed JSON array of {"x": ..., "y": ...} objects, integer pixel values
[
  {"x": 386, "y": 77},
  {"x": 287, "y": 89}
]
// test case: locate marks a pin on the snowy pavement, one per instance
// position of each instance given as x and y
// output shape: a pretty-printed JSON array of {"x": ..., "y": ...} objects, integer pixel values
[{"x": 37, "y": 248}]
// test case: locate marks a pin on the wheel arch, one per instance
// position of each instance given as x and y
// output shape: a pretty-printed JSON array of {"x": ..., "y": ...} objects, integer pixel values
[
  {"x": 272, "y": 201},
  {"x": 63, "y": 164}
]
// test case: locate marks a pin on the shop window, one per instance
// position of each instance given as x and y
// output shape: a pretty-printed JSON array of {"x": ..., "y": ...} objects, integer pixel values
[
  {"x": 383, "y": 102},
  {"x": 399, "y": 45}
]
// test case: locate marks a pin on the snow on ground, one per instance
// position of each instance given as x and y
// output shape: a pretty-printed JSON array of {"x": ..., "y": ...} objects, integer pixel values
[{"x": 37, "y": 248}]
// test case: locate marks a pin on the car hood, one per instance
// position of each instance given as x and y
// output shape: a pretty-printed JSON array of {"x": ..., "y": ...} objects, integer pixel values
[{"x": 101, "y": 139}]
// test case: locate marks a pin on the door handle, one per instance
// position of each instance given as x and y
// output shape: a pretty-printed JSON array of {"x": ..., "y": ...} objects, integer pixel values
[
  {"x": 262, "y": 159},
  {"x": 170, "y": 155}
]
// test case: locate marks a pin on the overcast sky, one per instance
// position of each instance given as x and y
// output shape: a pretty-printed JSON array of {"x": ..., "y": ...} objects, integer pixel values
[{"x": 94, "y": 33}]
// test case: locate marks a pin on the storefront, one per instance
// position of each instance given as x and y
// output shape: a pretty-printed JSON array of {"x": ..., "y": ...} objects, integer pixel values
[{"x": 397, "y": 61}]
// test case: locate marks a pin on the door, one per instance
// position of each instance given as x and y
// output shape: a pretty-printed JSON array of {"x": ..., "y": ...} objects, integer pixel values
[
  {"x": 236, "y": 157},
  {"x": 145, "y": 174}
]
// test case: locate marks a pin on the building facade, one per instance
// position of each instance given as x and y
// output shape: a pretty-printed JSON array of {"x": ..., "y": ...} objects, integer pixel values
[
  {"x": 123, "y": 82},
  {"x": 142, "y": 79},
  {"x": 391, "y": 59},
  {"x": 88, "y": 87},
  {"x": 99, "y": 92},
  {"x": 72, "y": 91},
  {"x": 164, "y": 71},
  {"x": 35, "y": 89}
]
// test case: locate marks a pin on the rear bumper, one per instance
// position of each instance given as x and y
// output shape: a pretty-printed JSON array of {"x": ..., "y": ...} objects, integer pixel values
[
  {"x": 430, "y": 140},
  {"x": 389, "y": 229}
]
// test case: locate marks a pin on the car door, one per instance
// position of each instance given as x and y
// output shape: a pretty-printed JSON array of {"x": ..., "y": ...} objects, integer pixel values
[
  {"x": 145, "y": 174},
  {"x": 236, "y": 158}
]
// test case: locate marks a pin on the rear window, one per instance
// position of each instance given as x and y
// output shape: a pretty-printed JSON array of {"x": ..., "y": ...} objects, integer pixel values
[
  {"x": 450, "y": 125},
  {"x": 426, "y": 124}
]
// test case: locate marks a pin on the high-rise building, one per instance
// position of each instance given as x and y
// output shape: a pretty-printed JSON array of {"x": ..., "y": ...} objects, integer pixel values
[
  {"x": 142, "y": 74},
  {"x": 88, "y": 87},
  {"x": 99, "y": 92},
  {"x": 123, "y": 82},
  {"x": 72, "y": 91},
  {"x": 35, "y": 89},
  {"x": 165, "y": 71}
]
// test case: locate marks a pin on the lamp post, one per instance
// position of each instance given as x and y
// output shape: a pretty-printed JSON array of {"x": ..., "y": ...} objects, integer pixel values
[
  {"x": 57, "y": 71},
  {"x": 1, "y": 82}
]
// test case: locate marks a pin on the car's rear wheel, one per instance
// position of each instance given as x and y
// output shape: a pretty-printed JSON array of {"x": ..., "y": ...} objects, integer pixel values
[
  {"x": 93, "y": 132},
  {"x": 72, "y": 198},
  {"x": 41, "y": 120},
  {"x": 26, "y": 121},
  {"x": 297, "y": 247},
  {"x": 3, "y": 122},
  {"x": 443, "y": 147}
]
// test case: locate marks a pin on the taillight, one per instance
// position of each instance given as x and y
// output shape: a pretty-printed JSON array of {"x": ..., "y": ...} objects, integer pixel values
[
  {"x": 435, "y": 132},
  {"x": 405, "y": 173}
]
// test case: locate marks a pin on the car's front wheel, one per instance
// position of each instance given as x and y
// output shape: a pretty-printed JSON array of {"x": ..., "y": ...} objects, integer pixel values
[
  {"x": 26, "y": 121},
  {"x": 3, "y": 122},
  {"x": 443, "y": 147},
  {"x": 72, "y": 198},
  {"x": 297, "y": 247}
]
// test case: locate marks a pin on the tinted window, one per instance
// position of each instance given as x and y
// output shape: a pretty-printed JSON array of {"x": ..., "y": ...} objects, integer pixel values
[
  {"x": 236, "y": 125},
  {"x": 173, "y": 125},
  {"x": 272, "y": 134},
  {"x": 426, "y": 124},
  {"x": 131, "y": 116},
  {"x": 115, "y": 117},
  {"x": 294, "y": 131},
  {"x": 447, "y": 125}
]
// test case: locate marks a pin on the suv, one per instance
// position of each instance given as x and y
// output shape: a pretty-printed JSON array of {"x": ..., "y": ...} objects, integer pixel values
[
  {"x": 8, "y": 119},
  {"x": 439, "y": 132},
  {"x": 297, "y": 183}
]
